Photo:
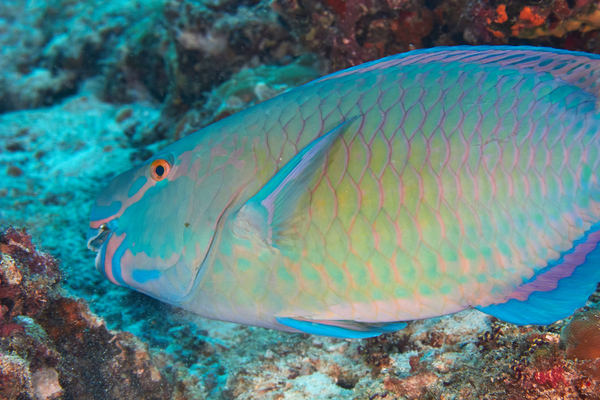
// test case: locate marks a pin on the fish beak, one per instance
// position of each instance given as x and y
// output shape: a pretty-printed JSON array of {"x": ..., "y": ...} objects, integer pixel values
[{"x": 96, "y": 237}]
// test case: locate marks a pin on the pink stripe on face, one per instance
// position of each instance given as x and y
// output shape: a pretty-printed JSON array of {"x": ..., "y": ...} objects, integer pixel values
[
  {"x": 111, "y": 247},
  {"x": 125, "y": 203},
  {"x": 98, "y": 223}
]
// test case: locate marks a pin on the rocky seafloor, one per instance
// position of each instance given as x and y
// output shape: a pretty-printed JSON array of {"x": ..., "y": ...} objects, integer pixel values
[{"x": 88, "y": 89}]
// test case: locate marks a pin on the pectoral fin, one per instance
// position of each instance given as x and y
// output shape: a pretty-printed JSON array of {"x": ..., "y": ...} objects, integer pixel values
[{"x": 284, "y": 199}]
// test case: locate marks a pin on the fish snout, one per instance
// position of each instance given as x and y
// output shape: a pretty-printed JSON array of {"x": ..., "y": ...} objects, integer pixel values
[
  {"x": 98, "y": 236},
  {"x": 97, "y": 241},
  {"x": 95, "y": 237}
]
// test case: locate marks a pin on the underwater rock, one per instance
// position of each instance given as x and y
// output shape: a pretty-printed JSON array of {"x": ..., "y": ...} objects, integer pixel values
[
  {"x": 37, "y": 88},
  {"x": 52, "y": 345},
  {"x": 164, "y": 51},
  {"x": 581, "y": 337},
  {"x": 248, "y": 87},
  {"x": 350, "y": 32},
  {"x": 245, "y": 88},
  {"x": 27, "y": 278},
  {"x": 49, "y": 48},
  {"x": 191, "y": 49},
  {"x": 15, "y": 377},
  {"x": 412, "y": 388},
  {"x": 581, "y": 340},
  {"x": 45, "y": 383},
  {"x": 531, "y": 19}
]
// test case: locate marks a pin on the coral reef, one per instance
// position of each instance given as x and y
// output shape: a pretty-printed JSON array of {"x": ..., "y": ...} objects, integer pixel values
[
  {"x": 530, "y": 20},
  {"x": 52, "y": 345},
  {"x": 117, "y": 81},
  {"x": 169, "y": 51},
  {"x": 26, "y": 281},
  {"x": 559, "y": 23},
  {"x": 350, "y": 32},
  {"x": 179, "y": 51}
]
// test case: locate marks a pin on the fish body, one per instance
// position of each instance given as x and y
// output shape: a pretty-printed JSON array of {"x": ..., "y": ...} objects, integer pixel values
[{"x": 411, "y": 187}]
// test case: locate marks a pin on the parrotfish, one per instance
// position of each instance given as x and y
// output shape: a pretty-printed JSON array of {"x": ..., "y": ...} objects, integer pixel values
[{"x": 415, "y": 186}]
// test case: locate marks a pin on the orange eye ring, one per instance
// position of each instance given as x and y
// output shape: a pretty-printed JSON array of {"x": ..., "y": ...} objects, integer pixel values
[{"x": 159, "y": 169}]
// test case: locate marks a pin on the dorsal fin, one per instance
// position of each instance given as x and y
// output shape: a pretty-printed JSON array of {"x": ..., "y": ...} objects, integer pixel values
[{"x": 576, "y": 68}]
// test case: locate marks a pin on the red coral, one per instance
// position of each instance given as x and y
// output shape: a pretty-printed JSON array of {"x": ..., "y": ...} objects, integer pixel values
[
  {"x": 553, "y": 377},
  {"x": 8, "y": 329},
  {"x": 339, "y": 6}
]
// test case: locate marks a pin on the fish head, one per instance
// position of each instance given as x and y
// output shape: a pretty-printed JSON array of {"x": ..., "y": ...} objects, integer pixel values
[{"x": 153, "y": 225}]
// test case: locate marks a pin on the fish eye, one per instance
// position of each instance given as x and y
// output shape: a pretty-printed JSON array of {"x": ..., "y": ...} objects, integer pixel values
[{"x": 159, "y": 169}]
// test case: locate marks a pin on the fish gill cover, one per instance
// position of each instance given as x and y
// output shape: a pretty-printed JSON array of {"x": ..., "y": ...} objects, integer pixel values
[{"x": 90, "y": 89}]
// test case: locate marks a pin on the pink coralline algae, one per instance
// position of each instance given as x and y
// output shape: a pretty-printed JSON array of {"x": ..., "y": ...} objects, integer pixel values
[
  {"x": 52, "y": 346},
  {"x": 26, "y": 279},
  {"x": 552, "y": 377}
]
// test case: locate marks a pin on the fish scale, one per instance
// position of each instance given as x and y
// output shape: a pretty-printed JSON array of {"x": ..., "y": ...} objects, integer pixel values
[
  {"x": 419, "y": 180},
  {"x": 412, "y": 187}
]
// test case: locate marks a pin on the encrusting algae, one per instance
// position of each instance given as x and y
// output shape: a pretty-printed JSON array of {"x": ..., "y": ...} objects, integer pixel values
[{"x": 52, "y": 346}]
